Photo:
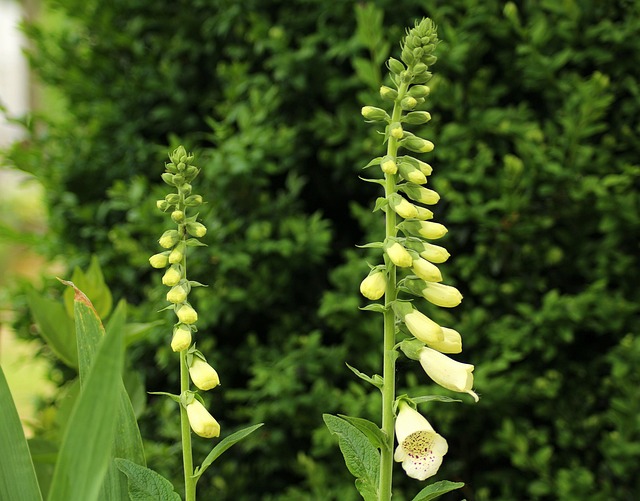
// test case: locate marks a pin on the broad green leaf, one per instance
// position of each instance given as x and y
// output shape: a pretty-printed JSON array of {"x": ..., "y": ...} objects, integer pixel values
[
  {"x": 93, "y": 285},
  {"x": 85, "y": 452},
  {"x": 127, "y": 442},
  {"x": 223, "y": 445},
  {"x": 367, "y": 490},
  {"x": 18, "y": 480},
  {"x": 438, "y": 489},
  {"x": 374, "y": 434},
  {"x": 44, "y": 454},
  {"x": 146, "y": 484},
  {"x": 362, "y": 458},
  {"x": 376, "y": 380},
  {"x": 56, "y": 327}
]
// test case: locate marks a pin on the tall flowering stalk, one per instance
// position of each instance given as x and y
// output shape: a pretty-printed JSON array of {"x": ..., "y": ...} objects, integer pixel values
[
  {"x": 180, "y": 172},
  {"x": 409, "y": 269}
]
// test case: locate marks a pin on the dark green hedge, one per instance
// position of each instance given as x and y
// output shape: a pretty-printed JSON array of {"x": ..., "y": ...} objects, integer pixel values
[{"x": 535, "y": 108}]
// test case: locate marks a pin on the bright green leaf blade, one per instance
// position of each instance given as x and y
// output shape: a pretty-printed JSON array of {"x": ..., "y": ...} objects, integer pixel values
[
  {"x": 438, "y": 489},
  {"x": 85, "y": 453},
  {"x": 146, "y": 484},
  {"x": 374, "y": 434},
  {"x": 368, "y": 491},
  {"x": 362, "y": 458},
  {"x": 127, "y": 442},
  {"x": 225, "y": 444},
  {"x": 18, "y": 480},
  {"x": 56, "y": 327}
]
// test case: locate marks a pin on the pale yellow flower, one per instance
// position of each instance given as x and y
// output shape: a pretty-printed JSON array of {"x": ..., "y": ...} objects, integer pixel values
[
  {"x": 423, "y": 328},
  {"x": 181, "y": 339},
  {"x": 203, "y": 375},
  {"x": 426, "y": 271},
  {"x": 187, "y": 315},
  {"x": 374, "y": 285},
  {"x": 446, "y": 372},
  {"x": 399, "y": 255},
  {"x": 452, "y": 342},
  {"x": 420, "y": 449},
  {"x": 201, "y": 422}
]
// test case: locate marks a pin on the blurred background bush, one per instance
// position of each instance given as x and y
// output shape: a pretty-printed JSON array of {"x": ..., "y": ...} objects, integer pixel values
[{"x": 535, "y": 109}]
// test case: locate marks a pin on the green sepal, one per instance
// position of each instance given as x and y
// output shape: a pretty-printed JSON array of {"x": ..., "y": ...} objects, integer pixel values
[
  {"x": 377, "y": 307},
  {"x": 193, "y": 283},
  {"x": 194, "y": 242},
  {"x": 175, "y": 398},
  {"x": 372, "y": 431},
  {"x": 375, "y": 161},
  {"x": 381, "y": 203},
  {"x": 371, "y": 245},
  {"x": 376, "y": 380},
  {"x": 222, "y": 446},
  {"x": 411, "y": 348},
  {"x": 438, "y": 489},
  {"x": 376, "y": 181}
]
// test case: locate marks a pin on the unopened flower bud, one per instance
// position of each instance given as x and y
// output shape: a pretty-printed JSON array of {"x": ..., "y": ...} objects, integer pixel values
[
  {"x": 201, "y": 422},
  {"x": 421, "y": 194},
  {"x": 178, "y": 179},
  {"x": 177, "y": 254},
  {"x": 172, "y": 276},
  {"x": 411, "y": 173},
  {"x": 417, "y": 117},
  {"x": 408, "y": 103},
  {"x": 373, "y": 114},
  {"x": 388, "y": 93},
  {"x": 168, "y": 178},
  {"x": 186, "y": 314},
  {"x": 374, "y": 285},
  {"x": 426, "y": 271},
  {"x": 402, "y": 206},
  {"x": 193, "y": 201},
  {"x": 172, "y": 198},
  {"x": 388, "y": 165},
  {"x": 419, "y": 91},
  {"x": 203, "y": 375},
  {"x": 186, "y": 188},
  {"x": 177, "y": 155},
  {"x": 168, "y": 239},
  {"x": 399, "y": 255},
  {"x": 395, "y": 130},
  {"x": 423, "y": 328},
  {"x": 162, "y": 205},
  {"x": 177, "y": 294},
  {"x": 181, "y": 339},
  {"x": 395, "y": 66},
  {"x": 177, "y": 216},
  {"x": 160, "y": 260},
  {"x": 196, "y": 229},
  {"x": 419, "y": 68},
  {"x": 425, "y": 229},
  {"x": 415, "y": 143},
  {"x": 434, "y": 253},
  {"x": 423, "y": 214}
]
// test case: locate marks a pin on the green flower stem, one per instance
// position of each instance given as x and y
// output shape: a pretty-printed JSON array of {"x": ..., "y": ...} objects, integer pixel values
[
  {"x": 187, "y": 454},
  {"x": 389, "y": 356}
]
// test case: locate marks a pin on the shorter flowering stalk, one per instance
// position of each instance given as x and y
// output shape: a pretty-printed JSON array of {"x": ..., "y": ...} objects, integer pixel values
[{"x": 180, "y": 173}]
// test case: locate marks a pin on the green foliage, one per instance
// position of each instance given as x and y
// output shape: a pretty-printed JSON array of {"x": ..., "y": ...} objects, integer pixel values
[{"x": 533, "y": 107}]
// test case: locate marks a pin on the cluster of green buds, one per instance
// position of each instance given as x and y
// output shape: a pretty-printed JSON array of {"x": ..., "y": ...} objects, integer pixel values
[
  {"x": 410, "y": 258},
  {"x": 180, "y": 172}
]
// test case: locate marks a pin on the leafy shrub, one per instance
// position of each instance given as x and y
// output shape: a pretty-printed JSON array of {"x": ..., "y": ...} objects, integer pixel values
[{"x": 534, "y": 107}]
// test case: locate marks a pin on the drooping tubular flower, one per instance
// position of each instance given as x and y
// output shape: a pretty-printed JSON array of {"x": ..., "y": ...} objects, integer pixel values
[{"x": 420, "y": 449}]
